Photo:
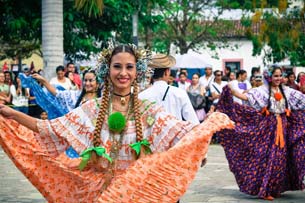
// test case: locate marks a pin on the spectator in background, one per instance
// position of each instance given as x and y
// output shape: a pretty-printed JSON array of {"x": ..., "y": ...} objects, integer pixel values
[
  {"x": 44, "y": 115},
  {"x": 255, "y": 71},
  {"x": 232, "y": 76},
  {"x": 8, "y": 78},
  {"x": 206, "y": 81},
  {"x": 4, "y": 90},
  {"x": 285, "y": 79},
  {"x": 76, "y": 77},
  {"x": 241, "y": 84},
  {"x": 301, "y": 81},
  {"x": 171, "y": 80},
  {"x": 291, "y": 81},
  {"x": 183, "y": 83},
  {"x": 258, "y": 80},
  {"x": 252, "y": 81},
  {"x": 26, "y": 70},
  {"x": 196, "y": 89},
  {"x": 174, "y": 100},
  {"x": 70, "y": 75},
  {"x": 226, "y": 74},
  {"x": 60, "y": 79},
  {"x": 216, "y": 86},
  {"x": 20, "y": 96}
]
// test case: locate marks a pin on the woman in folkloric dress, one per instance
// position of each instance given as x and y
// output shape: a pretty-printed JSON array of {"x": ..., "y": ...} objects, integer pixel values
[
  {"x": 266, "y": 150},
  {"x": 131, "y": 150}
]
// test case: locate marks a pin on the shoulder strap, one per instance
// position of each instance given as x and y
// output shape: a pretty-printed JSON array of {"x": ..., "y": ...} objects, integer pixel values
[
  {"x": 165, "y": 93},
  {"x": 216, "y": 89}
]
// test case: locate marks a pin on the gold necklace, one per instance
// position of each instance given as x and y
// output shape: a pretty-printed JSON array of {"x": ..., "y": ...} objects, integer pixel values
[{"x": 122, "y": 97}]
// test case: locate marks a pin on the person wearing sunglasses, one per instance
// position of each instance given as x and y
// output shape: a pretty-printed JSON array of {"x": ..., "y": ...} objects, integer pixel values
[
  {"x": 216, "y": 86},
  {"x": 131, "y": 150}
]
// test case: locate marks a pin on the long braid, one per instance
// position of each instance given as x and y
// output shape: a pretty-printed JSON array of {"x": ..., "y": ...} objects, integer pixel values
[
  {"x": 286, "y": 101},
  {"x": 101, "y": 115},
  {"x": 136, "y": 102},
  {"x": 269, "y": 102}
]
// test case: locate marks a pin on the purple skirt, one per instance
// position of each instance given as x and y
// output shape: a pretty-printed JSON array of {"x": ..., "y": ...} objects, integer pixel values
[{"x": 260, "y": 166}]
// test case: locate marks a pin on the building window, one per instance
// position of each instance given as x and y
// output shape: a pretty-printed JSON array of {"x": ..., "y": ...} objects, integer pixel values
[{"x": 234, "y": 64}]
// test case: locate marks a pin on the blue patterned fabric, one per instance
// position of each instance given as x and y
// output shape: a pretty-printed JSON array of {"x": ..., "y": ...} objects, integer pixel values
[{"x": 47, "y": 102}]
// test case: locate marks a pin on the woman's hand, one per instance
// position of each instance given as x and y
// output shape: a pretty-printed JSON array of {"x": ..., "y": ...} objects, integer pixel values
[
  {"x": 39, "y": 77},
  {"x": 6, "y": 111}
]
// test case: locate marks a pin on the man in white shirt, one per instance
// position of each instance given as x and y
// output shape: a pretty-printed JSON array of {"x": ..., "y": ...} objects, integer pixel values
[
  {"x": 241, "y": 84},
  {"x": 173, "y": 99},
  {"x": 183, "y": 83}
]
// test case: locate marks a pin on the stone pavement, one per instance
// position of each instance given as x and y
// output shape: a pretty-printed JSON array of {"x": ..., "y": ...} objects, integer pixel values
[{"x": 214, "y": 183}]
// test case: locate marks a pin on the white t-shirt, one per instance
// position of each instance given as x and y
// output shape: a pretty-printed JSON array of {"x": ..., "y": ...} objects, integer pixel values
[
  {"x": 67, "y": 84},
  {"x": 219, "y": 87},
  {"x": 19, "y": 100},
  {"x": 240, "y": 87}
]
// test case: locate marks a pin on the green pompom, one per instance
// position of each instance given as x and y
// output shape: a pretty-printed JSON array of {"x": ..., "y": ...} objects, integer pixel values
[{"x": 117, "y": 122}]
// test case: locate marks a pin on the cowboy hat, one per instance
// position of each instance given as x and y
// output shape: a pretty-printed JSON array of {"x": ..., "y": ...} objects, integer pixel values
[{"x": 162, "y": 61}]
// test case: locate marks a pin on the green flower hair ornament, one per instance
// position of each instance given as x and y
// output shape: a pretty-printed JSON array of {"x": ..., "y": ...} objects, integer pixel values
[
  {"x": 116, "y": 122},
  {"x": 87, "y": 154},
  {"x": 137, "y": 147}
]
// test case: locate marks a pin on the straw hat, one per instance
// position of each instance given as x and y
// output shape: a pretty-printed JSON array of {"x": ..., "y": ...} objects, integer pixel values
[{"x": 162, "y": 61}]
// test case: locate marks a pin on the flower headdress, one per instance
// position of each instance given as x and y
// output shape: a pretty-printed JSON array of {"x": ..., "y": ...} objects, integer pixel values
[
  {"x": 143, "y": 56},
  {"x": 267, "y": 73}
]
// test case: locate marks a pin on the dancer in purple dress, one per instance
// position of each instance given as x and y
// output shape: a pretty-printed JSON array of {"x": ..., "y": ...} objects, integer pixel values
[{"x": 266, "y": 150}]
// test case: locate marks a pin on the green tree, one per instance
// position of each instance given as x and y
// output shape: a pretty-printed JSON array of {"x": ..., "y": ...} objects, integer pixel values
[
  {"x": 20, "y": 28},
  {"x": 187, "y": 25},
  {"x": 281, "y": 29}
]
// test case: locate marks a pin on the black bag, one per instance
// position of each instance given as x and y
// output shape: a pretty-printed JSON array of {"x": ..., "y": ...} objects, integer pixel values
[{"x": 198, "y": 101}]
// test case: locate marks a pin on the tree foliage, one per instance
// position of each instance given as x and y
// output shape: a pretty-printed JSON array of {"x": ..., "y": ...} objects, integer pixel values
[
  {"x": 188, "y": 26},
  {"x": 281, "y": 29},
  {"x": 20, "y": 33}
]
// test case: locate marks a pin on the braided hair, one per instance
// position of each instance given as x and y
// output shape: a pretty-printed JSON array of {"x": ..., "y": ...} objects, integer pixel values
[
  {"x": 105, "y": 101},
  {"x": 280, "y": 87}
]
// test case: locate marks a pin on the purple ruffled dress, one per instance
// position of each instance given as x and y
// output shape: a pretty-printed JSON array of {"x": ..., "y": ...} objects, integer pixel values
[{"x": 261, "y": 167}]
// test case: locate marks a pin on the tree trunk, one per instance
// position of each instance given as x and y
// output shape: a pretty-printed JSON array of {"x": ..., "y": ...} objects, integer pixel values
[{"x": 52, "y": 36}]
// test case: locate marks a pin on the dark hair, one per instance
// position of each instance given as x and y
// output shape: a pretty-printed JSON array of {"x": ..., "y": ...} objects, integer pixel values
[
  {"x": 71, "y": 63},
  {"x": 60, "y": 68},
  {"x": 254, "y": 69},
  {"x": 159, "y": 73},
  {"x": 182, "y": 73},
  {"x": 290, "y": 73},
  {"x": 216, "y": 71},
  {"x": 299, "y": 75},
  {"x": 82, "y": 94},
  {"x": 280, "y": 87},
  {"x": 122, "y": 49},
  {"x": 240, "y": 72},
  {"x": 16, "y": 84},
  {"x": 198, "y": 74},
  {"x": 228, "y": 68},
  {"x": 67, "y": 76}
]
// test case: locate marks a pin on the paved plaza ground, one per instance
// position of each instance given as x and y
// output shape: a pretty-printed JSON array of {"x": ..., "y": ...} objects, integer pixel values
[{"x": 214, "y": 183}]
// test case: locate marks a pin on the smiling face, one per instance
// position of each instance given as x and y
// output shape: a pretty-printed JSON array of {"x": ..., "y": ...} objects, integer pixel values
[
  {"x": 122, "y": 72},
  {"x": 89, "y": 82},
  {"x": 276, "y": 78}
]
